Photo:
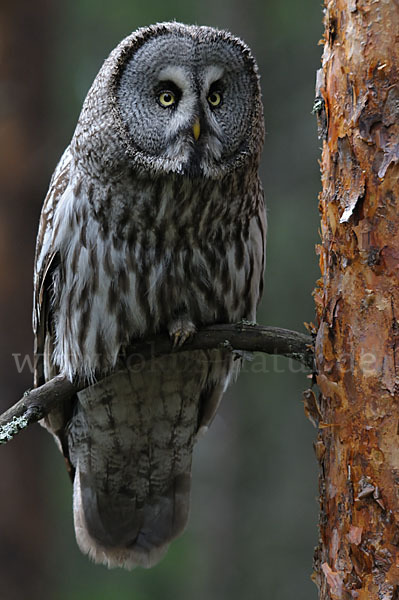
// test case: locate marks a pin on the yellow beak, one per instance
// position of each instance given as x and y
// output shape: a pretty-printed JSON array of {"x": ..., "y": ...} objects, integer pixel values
[{"x": 196, "y": 129}]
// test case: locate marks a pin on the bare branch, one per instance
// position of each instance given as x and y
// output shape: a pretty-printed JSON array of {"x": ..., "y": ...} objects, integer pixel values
[
  {"x": 34, "y": 405},
  {"x": 247, "y": 337},
  {"x": 244, "y": 336}
]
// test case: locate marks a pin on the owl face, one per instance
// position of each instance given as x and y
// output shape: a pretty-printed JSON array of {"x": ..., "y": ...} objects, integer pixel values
[{"x": 186, "y": 100}]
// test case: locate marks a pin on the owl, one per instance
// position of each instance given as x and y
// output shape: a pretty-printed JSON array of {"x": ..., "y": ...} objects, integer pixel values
[{"x": 154, "y": 222}]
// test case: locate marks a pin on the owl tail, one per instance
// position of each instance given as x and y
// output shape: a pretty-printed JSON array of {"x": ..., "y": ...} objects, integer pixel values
[
  {"x": 115, "y": 531},
  {"x": 130, "y": 442}
]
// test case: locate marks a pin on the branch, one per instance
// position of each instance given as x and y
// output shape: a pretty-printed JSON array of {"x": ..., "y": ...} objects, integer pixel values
[
  {"x": 240, "y": 336},
  {"x": 37, "y": 403},
  {"x": 34, "y": 405}
]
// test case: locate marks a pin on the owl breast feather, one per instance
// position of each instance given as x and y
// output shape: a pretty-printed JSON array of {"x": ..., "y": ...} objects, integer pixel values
[{"x": 136, "y": 256}]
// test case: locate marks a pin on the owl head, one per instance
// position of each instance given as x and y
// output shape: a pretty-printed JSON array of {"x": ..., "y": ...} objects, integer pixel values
[{"x": 177, "y": 99}]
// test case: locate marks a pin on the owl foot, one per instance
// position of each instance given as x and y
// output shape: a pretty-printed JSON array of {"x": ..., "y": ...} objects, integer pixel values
[{"x": 180, "y": 331}]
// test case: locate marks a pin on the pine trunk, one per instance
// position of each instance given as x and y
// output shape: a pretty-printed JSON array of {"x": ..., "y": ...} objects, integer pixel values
[{"x": 357, "y": 349}]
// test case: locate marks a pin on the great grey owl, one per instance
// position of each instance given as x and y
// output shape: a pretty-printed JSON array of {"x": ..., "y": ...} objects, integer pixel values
[{"x": 154, "y": 222}]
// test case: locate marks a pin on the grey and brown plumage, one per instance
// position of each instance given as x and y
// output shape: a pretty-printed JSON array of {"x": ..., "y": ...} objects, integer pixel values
[{"x": 154, "y": 221}]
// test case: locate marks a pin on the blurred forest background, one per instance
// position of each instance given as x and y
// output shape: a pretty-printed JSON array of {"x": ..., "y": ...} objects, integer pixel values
[{"x": 253, "y": 523}]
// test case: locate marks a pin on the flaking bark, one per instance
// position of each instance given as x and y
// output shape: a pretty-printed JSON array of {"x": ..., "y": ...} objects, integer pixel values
[{"x": 357, "y": 354}]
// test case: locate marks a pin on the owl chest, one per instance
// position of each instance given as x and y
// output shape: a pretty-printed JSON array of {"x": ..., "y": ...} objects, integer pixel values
[
  {"x": 166, "y": 256},
  {"x": 144, "y": 281},
  {"x": 134, "y": 275},
  {"x": 160, "y": 279}
]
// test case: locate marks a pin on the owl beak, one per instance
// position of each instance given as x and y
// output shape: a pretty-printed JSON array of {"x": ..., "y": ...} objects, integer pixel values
[{"x": 196, "y": 129}]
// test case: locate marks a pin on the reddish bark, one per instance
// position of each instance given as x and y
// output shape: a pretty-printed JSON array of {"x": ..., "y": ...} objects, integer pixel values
[{"x": 357, "y": 349}]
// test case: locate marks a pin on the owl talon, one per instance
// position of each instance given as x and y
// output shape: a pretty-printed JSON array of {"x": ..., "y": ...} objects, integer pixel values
[{"x": 180, "y": 332}]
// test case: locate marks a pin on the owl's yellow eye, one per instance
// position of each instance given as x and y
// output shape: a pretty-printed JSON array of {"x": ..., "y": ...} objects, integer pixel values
[
  {"x": 166, "y": 99},
  {"x": 215, "y": 99}
]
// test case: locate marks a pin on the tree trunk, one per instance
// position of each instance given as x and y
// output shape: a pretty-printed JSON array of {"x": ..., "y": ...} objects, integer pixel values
[{"x": 357, "y": 349}]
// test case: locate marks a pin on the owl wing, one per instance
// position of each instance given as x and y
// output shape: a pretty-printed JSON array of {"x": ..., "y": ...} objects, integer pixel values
[
  {"x": 46, "y": 259},
  {"x": 46, "y": 262}
]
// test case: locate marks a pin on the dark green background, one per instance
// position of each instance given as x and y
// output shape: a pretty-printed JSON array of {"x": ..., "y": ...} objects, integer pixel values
[{"x": 253, "y": 523}]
